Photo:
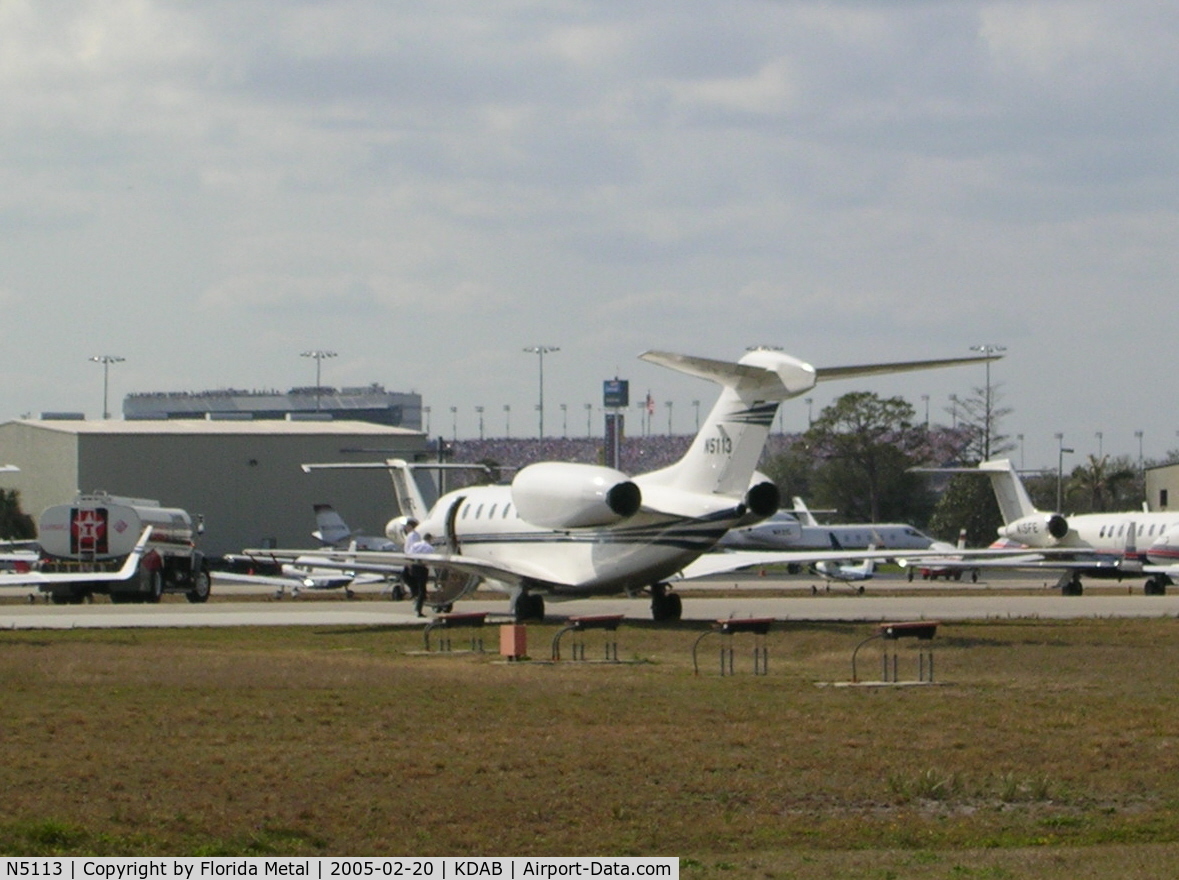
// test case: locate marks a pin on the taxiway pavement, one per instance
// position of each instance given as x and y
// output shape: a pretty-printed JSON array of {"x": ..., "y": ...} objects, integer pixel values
[{"x": 752, "y": 596}]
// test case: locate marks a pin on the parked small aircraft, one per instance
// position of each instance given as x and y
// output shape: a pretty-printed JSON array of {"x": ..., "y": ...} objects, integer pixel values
[
  {"x": 305, "y": 571},
  {"x": 843, "y": 571},
  {"x": 332, "y": 531},
  {"x": 950, "y": 566}
]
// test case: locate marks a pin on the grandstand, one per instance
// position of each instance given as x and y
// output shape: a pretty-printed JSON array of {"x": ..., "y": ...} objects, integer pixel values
[
  {"x": 639, "y": 454},
  {"x": 369, "y": 403}
]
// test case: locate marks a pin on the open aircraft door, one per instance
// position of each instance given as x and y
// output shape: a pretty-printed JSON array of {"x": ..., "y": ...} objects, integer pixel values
[{"x": 450, "y": 586}]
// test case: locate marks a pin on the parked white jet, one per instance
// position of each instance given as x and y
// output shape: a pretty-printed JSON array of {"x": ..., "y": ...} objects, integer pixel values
[
  {"x": 799, "y": 530},
  {"x": 1103, "y": 545},
  {"x": 574, "y": 530}
]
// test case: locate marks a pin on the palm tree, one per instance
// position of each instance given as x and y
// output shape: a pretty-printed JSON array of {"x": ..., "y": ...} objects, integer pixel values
[{"x": 1101, "y": 480}]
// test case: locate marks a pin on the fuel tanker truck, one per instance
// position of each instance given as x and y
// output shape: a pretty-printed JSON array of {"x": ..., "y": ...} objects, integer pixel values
[{"x": 97, "y": 532}]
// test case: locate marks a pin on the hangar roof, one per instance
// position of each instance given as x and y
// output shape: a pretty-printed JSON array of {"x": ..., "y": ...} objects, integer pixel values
[{"x": 215, "y": 427}]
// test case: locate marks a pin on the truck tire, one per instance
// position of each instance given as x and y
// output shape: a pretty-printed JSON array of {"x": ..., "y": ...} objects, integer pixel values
[
  {"x": 201, "y": 586},
  {"x": 151, "y": 583}
]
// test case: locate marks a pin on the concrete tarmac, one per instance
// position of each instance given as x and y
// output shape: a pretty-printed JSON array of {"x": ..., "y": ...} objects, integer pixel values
[{"x": 886, "y": 599}]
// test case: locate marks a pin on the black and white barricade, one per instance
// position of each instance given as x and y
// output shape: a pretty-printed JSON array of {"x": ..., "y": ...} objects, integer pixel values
[
  {"x": 757, "y": 626},
  {"x": 606, "y": 622},
  {"x": 890, "y": 634}
]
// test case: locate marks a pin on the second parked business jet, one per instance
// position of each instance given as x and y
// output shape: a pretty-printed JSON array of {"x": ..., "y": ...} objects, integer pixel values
[
  {"x": 1103, "y": 545},
  {"x": 799, "y": 530},
  {"x": 575, "y": 530}
]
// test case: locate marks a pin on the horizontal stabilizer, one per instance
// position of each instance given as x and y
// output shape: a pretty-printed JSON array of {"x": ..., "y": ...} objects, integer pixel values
[{"x": 826, "y": 374}]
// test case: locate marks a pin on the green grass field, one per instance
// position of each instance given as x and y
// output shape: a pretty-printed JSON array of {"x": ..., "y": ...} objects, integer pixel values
[{"x": 1048, "y": 749}]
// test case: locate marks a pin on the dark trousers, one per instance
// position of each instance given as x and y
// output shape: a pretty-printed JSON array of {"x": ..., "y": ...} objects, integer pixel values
[{"x": 416, "y": 577}]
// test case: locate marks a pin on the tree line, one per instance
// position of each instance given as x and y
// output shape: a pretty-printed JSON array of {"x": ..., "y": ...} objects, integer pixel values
[{"x": 857, "y": 457}]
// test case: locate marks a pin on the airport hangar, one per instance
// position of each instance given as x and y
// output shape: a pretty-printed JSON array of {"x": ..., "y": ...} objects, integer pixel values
[
  {"x": 243, "y": 476},
  {"x": 1162, "y": 487}
]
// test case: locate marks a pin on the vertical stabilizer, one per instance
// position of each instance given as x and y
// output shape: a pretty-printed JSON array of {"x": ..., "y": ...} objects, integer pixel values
[
  {"x": 1013, "y": 498},
  {"x": 804, "y": 513},
  {"x": 724, "y": 455},
  {"x": 332, "y": 529},
  {"x": 410, "y": 499}
]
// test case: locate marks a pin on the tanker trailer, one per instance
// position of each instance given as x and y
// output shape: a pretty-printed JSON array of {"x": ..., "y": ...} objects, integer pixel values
[{"x": 97, "y": 531}]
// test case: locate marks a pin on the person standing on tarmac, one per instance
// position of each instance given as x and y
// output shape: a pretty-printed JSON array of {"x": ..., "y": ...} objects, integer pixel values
[{"x": 416, "y": 574}]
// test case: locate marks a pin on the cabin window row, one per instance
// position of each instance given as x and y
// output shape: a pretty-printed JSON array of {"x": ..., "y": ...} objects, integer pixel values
[
  {"x": 478, "y": 513},
  {"x": 1108, "y": 531}
]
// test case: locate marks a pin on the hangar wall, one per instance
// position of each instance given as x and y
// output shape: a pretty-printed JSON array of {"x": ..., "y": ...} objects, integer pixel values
[
  {"x": 1162, "y": 487},
  {"x": 244, "y": 477}
]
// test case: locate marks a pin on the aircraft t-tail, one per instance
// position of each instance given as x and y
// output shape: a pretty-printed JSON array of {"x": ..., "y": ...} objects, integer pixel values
[{"x": 575, "y": 530}]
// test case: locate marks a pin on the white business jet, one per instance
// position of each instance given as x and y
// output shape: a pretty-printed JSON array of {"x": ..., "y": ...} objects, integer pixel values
[
  {"x": 798, "y": 529},
  {"x": 576, "y": 530},
  {"x": 1103, "y": 545}
]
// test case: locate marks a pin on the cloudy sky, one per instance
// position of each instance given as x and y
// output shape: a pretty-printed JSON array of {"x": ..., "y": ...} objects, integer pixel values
[{"x": 208, "y": 189}]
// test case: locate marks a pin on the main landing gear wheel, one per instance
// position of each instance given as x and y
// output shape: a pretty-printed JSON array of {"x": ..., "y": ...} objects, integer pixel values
[
  {"x": 1156, "y": 585},
  {"x": 665, "y": 606},
  {"x": 529, "y": 607},
  {"x": 1070, "y": 585}
]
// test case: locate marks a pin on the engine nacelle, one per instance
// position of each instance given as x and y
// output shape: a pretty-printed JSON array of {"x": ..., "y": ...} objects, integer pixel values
[
  {"x": 396, "y": 529},
  {"x": 572, "y": 496},
  {"x": 1040, "y": 530},
  {"x": 760, "y": 501},
  {"x": 763, "y": 499}
]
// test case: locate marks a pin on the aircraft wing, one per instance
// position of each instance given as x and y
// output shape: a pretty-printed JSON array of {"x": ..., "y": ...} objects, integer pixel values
[
  {"x": 385, "y": 563},
  {"x": 1038, "y": 561},
  {"x": 126, "y": 572},
  {"x": 735, "y": 560}
]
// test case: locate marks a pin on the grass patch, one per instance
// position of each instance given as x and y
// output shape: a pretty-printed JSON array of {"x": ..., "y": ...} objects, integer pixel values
[{"x": 1055, "y": 737}]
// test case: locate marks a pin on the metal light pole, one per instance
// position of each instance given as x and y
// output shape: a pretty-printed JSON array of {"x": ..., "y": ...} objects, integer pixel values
[
  {"x": 809, "y": 418},
  {"x": 454, "y": 423},
  {"x": 426, "y": 410},
  {"x": 508, "y": 420},
  {"x": 696, "y": 406},
  {"x": 479, "y": 410},
  {"x": 589, "y": 413},
  {"x": 668, "y": 405},
  {"x": 540, "y": 351},
  {"x": 1141, "y": 463},
  {"x": 987, "y": 351},
  {"x": 1099, "y": 443},
  {"x": 925, "y": 397},
  {"x": 1060, "y": 472},
  {"x": 106, "y": 360},
  {"x": 319, "y": 356},
  {"x": 564, "y": 421}
]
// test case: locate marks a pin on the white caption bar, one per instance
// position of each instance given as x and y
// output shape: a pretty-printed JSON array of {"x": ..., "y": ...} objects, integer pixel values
[{"x": 446, "y": 868}]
